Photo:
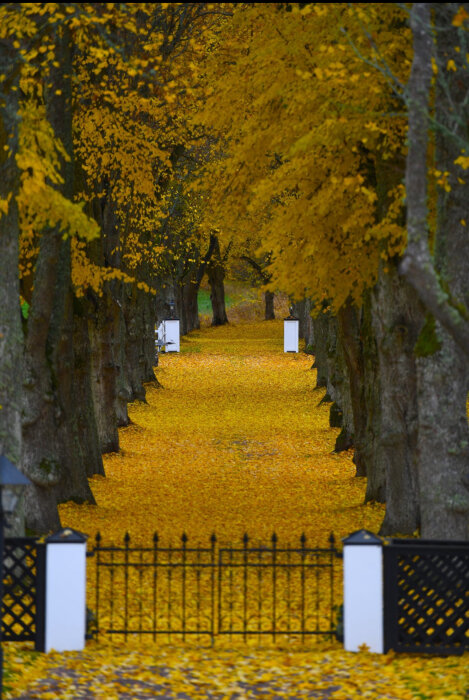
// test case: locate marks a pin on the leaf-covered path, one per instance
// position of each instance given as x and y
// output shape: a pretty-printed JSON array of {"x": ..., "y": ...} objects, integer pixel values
[{"x": 235, "y": 442}]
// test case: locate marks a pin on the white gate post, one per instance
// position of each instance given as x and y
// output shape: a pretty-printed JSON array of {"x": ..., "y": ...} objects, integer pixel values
[
  {"x": 291, "y": 329},
  {"x": 172, "y": 343},
  {"x": 65, "y": 591},
  {"x": 363, "y": 592}
]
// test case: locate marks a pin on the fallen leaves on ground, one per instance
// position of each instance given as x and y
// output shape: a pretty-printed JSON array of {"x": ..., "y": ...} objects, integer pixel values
[{"x": 236, "y": 442}]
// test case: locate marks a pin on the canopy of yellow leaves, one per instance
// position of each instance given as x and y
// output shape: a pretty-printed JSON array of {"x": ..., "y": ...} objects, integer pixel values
[
  {"x": 235, "y": 442},
  {"x": 302, "y": 118}
]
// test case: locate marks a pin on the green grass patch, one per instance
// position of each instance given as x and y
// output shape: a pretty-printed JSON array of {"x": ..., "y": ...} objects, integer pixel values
[{"x": 205, "y": 305}]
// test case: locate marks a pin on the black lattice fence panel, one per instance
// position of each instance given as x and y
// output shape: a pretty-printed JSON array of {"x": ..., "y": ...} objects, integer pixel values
[
  {"x": 182, "y": 592},
  {"x": 426, "y": 588},
  {"x": 22, "y": 590}
]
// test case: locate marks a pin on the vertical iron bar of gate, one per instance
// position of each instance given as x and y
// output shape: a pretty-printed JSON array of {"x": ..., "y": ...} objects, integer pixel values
[
  {"x": 155, "y": 584},
  {"x": 274, "y": 585},
  {"x": 184, "y": 543},
  {"x": 213, "y": 540},
  {"x": 219, "y": 588},
  {"x": 303, "y": 578},
  {"x": 111, "y": 588},
  {"x": 231, "y": 593},
  {"x": 197, "y": 585},
  {"x": 245, "y": 584},
  {"x": 140, "y": 587},
  {"x": 170, "y": 588},
  {"x": 318, "y": 568},
  {"x": 331, "y": 561},
  {"x": 98, "y": 563},
  {"x": 259, "y": 594},
  {"x": 288, "y": 588},
  {"x": 126, "y": 583}
]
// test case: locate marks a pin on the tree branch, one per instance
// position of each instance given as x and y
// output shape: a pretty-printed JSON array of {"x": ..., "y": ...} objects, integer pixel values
[{"x": 417, "y": 263}]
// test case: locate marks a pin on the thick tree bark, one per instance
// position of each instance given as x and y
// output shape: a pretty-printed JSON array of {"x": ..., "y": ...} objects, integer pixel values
[
  {"x": 54, "y": 458},
  {"x": 134, "y": 341},
  {"x": 321, "y": 327},
  {"x": 302, "y": 310},
  {"x": 216, "y": 277},
  {"x": 443, "y": 348},
  {"x": 88, "y": 434},
  {"x": 341, "y": 413},
  {"x": 350, "y": 338},
  {"x": 188, "y": 305},
  {"x": 103, "y": 327},
  {"x": 397, "y": 319},
  {"x": 40, "y": 452},
  {"x": 75, "y": 455},
  {"x": 11, "y": 334},
  {"x": 373, "y": 398},
  {"x": 269, "y": 313}
]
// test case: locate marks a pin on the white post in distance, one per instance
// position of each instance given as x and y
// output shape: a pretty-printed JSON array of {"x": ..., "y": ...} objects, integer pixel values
[
  {"x": 172, "y": 340},
  {"x": 65, "y": 591},
  {"x": 291, "y": 330},
  {"x": 363, "y": 592}
]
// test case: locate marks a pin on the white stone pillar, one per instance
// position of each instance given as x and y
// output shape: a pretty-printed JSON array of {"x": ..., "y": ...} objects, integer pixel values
[
  {"x": 172, "y": 342},
  {"x": 65, "y": 591},
  {"x": 291, "y": 328},
  {"x": 363, "y": 592}
]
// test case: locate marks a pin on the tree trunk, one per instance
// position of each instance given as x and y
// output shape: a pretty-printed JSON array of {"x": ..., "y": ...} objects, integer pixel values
[
  {"x": 397, "y": 320},
  {"x": 349, "y": 333},
  {"x": 75, "y": 454},
  {"x": 321, "y": 326},
  {"x": 40, "y": 452},
  {"x": 372, "y": 399},
  {"x": 269, "y": 306},
  {"x": 188, "y": 304},
  {"x": 341, "y": 414},
  {"x": 104, "y": 369},
  {"x": 11, "y": 334},
  {"x": 443, "y": 368},
  {"x": 54, "y": 458},
  {"x": 134, "y": 367},
  {"x": 216, "y": 276},
  {"x": 302, "y": 310}
]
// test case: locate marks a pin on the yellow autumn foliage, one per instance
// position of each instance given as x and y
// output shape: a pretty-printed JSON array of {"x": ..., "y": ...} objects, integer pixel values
[{"x": 301, "y": 122}]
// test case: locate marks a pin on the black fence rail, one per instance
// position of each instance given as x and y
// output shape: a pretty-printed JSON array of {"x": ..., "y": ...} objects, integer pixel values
[
  {"x": 23, "y": 591},
  {"x": 204, "y": 592},
  {"x": 426, "y": 596}
]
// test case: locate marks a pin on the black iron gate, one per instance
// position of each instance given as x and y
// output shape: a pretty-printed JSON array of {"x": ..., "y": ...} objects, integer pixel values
[
  {"x": 426, "y": 596},
  {"x": 23, "y": 591},
  {"x": 204, "y": 592}
]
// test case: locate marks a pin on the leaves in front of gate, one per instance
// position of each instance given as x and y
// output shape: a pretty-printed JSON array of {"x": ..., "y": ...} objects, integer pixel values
[{"x": 322, "y": 671}]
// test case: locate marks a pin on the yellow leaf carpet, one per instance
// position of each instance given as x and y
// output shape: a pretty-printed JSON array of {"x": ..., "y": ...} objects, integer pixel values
[{"x": 235, "y": 442}]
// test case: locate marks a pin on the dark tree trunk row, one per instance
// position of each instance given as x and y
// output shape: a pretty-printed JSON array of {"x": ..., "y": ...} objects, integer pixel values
[{"x": 11, "y": 333}]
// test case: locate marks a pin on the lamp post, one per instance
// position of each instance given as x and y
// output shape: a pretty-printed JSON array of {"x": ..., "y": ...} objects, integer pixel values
[
  {"x": 9, "y": 476},
  {"x": 171, "y": 329},
  {"x": 172, "y": 307}
]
